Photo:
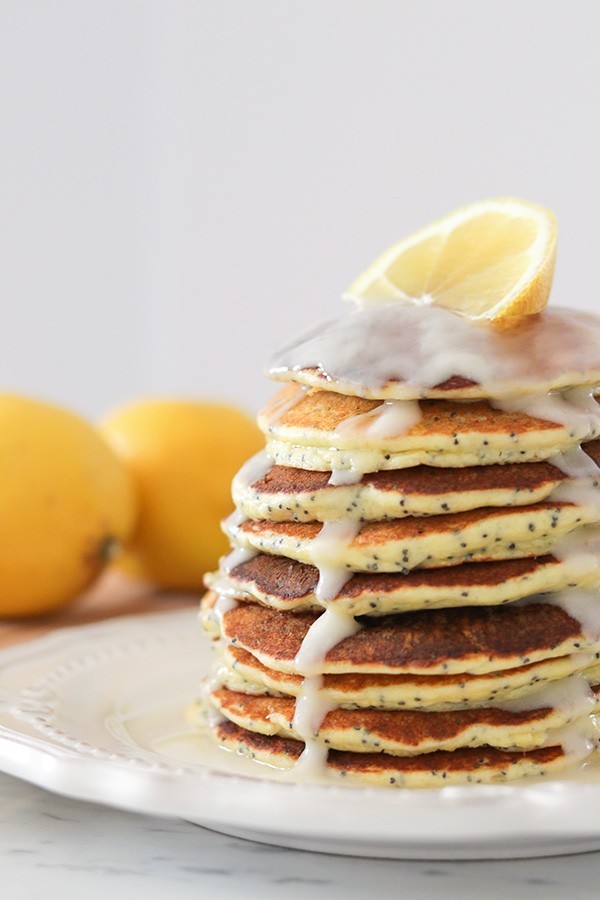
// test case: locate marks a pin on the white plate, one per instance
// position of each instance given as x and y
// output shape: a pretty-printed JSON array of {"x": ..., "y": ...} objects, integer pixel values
[{"x": 98, "y": 713}]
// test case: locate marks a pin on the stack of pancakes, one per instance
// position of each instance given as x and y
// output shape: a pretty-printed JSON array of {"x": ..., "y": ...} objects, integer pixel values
[{"x": 412, "y": 595}]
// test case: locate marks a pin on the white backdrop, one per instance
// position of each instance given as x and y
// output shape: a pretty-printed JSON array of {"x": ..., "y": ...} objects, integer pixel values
[{"x": 187, "y": 183}]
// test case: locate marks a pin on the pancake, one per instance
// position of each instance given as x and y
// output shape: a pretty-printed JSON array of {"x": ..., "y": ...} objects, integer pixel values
[
  {"x": 241, "y": 672},
  {"x": 286, "y": 584},
  {"x": 283, "y": 494},
  {"x": 399, "y": 351},
  {"x": 400, "y": 545},
  {"x": 324, "y": 431},
  {"x": 412, "y": 732},
  {"x": 466, "y": 766},
  {"x": 473, "y": 640},
  {"x": 406, "y": 598}
]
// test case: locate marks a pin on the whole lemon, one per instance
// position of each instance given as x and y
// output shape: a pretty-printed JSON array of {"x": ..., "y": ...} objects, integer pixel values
[
  {"x": 182, "y": 455},
  {"x": 66, "y": 501}
]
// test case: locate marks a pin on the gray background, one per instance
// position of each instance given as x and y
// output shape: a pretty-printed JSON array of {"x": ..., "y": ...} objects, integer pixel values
[{"x": 186, "y": 184}]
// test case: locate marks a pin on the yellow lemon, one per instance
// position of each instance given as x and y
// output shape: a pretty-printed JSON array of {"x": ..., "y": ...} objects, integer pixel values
[
  {"x": 492, "y": 260},
  {"x": 66, "y": 500},
  {"x": 182, "y": 455}
]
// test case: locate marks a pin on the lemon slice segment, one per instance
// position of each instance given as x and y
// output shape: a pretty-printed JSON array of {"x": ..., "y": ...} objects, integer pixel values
[{"x": 490, "y": 260}]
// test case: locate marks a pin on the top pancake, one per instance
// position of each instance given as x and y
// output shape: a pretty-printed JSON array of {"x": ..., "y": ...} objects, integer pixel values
[
  {"x": 323, "y": 431},
  {"x": 396, "y": 351}
]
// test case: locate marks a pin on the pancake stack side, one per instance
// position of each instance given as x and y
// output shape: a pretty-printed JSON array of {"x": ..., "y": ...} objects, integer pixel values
[{"x": 413, "y": 592}]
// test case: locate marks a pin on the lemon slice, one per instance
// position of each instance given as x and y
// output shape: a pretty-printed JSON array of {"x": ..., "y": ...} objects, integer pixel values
[{"x": 491, "y": 260}]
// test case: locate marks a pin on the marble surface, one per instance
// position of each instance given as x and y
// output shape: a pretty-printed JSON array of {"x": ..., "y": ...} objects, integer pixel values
[{"x": 51, "y": 847}]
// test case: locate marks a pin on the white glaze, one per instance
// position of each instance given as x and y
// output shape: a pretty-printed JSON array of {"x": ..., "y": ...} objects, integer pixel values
[
  {"x": 327, "y": 553},
  {"x": 326, "y": 632},
  {"x": 253, "y": 470},
  {"x": 234, "y": 521},
  {"x": 224, "y": 604},
  {"x": 391, "y": 419},
  {"x": 572, "y": 696},
  {"x": 220, "y": 583},
  {"x": 580, "y": 550},
  {"x": 581, "y": 492},
  {"x": 422, "y": 347},
  {"x": 312, "y": 706},
  {"x": 578, "y": 739},
  {"x": 345, "y": 476},
  {"x": 581, "y": 605},
  {"x": 237, "y": 556},
  {"x": 576, "y": 463},
  {"x": 576, "y": 409}
]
